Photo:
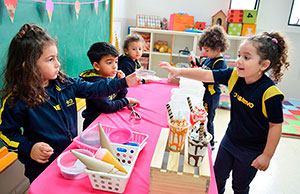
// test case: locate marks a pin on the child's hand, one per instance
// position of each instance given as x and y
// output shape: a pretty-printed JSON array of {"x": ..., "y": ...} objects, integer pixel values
[
  {"x": 41, "y": 152},
  {"x": 133, "y": 101},
  {"x": 120, "y": 74},
  {"x": 173, "y": 71},
  {"x": 132, "y": 80},
  {"x": 261, "y": 162}
]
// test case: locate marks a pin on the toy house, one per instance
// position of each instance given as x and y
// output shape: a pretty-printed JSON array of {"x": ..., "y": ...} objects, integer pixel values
[{"x": 219, "y": 18}]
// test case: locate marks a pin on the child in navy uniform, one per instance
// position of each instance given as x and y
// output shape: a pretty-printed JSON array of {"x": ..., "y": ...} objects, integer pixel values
[
  {"x": 214, "y": 42},
  {"x": 104, "y": 58},
  {"x": 38, "y": 117},
  {"x": 256, "y": 108},
  {"x": 133, "y": 50}
]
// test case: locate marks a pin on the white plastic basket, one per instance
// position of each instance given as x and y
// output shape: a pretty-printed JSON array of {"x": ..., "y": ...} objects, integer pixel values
[
  {"x": 139, "y": 138},
  {"x": 127, "y": 156}
]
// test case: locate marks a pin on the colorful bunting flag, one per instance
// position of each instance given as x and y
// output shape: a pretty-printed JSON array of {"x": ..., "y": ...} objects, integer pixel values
[
  {"x": 49, "y": 8},
  {"x": 96, "y": 6},
  {"x": 11, "y": 8},
  {"x": 77, "y": 8}
]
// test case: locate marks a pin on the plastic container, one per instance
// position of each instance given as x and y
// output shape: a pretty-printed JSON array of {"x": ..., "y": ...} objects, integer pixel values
[
  {"x": 145, "y": 74},
  {"x": 138, "y": 138},
  {"x": 92, "y": 138},
  {"x": 70, "y": 166},
  {"x": 127, "y": 156},
  {"x": 120, "y": 136}
]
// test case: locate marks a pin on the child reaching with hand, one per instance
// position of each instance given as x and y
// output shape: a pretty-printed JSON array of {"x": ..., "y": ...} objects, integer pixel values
[
  {"x": 214, "y": 42},
  {"x": 256, "y": 114},
  {"x": 104, "y": 58},
  {"x": 38, "y": 117},
  {"x": 133, "y": 50}
]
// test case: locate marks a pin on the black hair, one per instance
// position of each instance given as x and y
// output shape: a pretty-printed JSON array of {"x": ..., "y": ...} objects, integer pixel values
[
  {"x": 214, "y": 38},
  {"x": 272, "y": 46},
  {"x": 101, "y": 49}
]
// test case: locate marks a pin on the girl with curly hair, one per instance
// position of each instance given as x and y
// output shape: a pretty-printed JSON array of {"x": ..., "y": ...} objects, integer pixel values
[{"x": 256, "y": 114}]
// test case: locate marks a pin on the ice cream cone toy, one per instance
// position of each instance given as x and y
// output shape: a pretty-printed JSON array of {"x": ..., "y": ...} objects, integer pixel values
[
  {"x": 198, "y": 114},
  {"x": 95, "y": 164},
  {"x": 190, "y": 104},
  {"x": 105, "y": 143},
  {"x": 105, "y": 155},
  {"x": 170, "y": 112}
]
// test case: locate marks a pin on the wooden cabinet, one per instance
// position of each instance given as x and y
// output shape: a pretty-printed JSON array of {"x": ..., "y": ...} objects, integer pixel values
[{"x": 179, "y": 41}]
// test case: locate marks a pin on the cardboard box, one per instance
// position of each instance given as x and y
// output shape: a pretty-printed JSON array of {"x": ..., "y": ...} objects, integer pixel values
[
  {"x": 234, "y": 29},
  {"x": 249, "y": 16},
  {"x": 235, "y": 16},
  {"x": 180, "y": 22},
  {"x": 248, "y": 29}
]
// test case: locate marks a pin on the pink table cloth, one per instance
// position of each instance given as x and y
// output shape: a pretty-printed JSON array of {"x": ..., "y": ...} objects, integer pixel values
[{"x": 153, "y": 97}]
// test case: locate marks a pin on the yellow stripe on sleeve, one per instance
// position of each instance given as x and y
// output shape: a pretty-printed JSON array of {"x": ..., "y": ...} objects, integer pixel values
[
  {"x": 13, "y": 144},
  {"x": 232, "y": 80},
  {"x": 270, "y": 92}
]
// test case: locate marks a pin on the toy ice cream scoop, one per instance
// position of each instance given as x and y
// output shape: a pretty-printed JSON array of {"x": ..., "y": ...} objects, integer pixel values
[{"x": 105, "y": 155}]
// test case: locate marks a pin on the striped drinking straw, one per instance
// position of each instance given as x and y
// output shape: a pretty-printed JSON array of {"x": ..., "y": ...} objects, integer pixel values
[
  {"x": 190, "y": 104},
  {"x": 170, "y": 112}
]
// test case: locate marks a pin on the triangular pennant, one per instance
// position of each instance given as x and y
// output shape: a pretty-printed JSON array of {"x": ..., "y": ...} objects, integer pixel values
[
  {"x": 11, "y": 8},
  {"x": 77, "y": 8},
  {"x": 96, "y": 6},
  {"x": 106, "y": 4},
  {"x": 49, "y": 8}
]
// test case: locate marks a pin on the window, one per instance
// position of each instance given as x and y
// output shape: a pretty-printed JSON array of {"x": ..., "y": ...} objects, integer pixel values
[
  {"x": 294, "y": 19},
  {"x": 244, "y": 4}
]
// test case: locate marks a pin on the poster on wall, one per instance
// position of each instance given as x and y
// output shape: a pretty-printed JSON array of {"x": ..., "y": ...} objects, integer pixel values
[{"x": 116, "y": 40}]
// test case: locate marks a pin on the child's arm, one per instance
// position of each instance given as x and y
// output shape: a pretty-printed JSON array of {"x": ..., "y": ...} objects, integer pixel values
[
  {"x": 262, "y": 162},
  {"x": 193, "y": 73}
]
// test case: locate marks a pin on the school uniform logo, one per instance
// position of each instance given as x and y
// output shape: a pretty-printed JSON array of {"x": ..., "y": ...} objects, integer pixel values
[
  {"x": 69, "y": 102},
  {"x": 243, "y": 100}
]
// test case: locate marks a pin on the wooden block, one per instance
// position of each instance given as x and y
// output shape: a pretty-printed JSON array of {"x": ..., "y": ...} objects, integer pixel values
[
  {"x": 234, "y": 29},
  {"x": 248, "y": 29},
  {"x": 235, "y": 16},
  {"x": 177, "y": 176},
  {"x": 249, "y": 16}
]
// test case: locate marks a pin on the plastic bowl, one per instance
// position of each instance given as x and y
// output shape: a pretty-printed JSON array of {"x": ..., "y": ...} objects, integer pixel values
[
  {"x": 70, "y": 166},
  {"x": 145, "y": 74},
  {"x": 92, "y": 138},
  {"x": 120, "y": 136}
]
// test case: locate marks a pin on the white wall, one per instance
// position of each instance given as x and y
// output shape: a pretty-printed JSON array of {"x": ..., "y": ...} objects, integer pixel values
[{"x": 272, "y": 15}]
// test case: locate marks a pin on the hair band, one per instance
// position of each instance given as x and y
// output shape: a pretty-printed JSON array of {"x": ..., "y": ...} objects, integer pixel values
[{"x": 275, "y": 40}]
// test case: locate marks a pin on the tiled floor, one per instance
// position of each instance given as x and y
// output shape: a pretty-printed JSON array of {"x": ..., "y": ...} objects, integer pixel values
[{"x": 283, "y": 174}]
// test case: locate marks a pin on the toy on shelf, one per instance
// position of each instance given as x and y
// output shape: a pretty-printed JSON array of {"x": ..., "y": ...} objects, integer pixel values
[
  {"x": 193, "y": 30},
  {"x": 235, "y": 16},
  {"x": 235, "y": 29},
  {"x": 164, "y": 24},
  {"x": 146, "y": 37},
  {"x": 162, "y": 46},
  {"x": 147, "y": 21},
  {"x": 200, "y": 25},
  {"x": 219, "y": 18},
  {"x": 248, "y": 29},
  {"x": 249, "y": 16},
  {"x": 181, "y": 21}
]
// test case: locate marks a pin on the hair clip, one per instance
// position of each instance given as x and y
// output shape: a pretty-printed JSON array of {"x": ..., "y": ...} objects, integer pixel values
[{"x": 275, "y": 40}]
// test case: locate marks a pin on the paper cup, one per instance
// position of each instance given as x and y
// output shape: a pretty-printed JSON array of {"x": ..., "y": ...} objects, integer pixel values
[{"x": 177, "y": 136}]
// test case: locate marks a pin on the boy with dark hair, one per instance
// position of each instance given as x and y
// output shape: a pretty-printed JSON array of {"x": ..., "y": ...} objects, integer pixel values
[{"x": 104, "y": 59}]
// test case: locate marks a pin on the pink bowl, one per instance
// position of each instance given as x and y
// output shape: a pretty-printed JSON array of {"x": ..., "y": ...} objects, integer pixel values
[{"x": 120, "y": 135}]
